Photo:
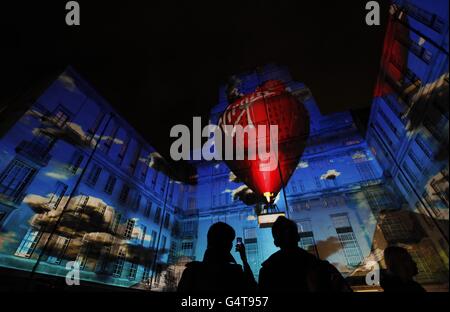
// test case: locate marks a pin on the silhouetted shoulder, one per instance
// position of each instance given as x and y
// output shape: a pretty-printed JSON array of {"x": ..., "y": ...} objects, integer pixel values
[
  {"x": 392, "y": 283},
  {"x": 280, "y": 258},
  {"x": 212, "y": 278},
  {"x": 274, "y": 258}
]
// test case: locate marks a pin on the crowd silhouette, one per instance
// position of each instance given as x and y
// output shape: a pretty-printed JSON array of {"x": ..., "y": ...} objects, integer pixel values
[{"x": 289, "y": 270}]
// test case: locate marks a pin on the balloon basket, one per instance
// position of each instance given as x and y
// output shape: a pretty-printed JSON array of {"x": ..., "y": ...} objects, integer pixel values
[{"x": 267, "y": 214}]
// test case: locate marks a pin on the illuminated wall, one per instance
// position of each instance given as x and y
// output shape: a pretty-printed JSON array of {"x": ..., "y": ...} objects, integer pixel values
[
  {"x": 77, "y": 183},
  {"x": 408, "y": 127}
]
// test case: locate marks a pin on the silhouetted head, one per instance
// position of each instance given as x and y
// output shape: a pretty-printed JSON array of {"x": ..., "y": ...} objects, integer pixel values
[
  {"x": 285, "y": 233},
  {"x": 221, "y": 236},
  {"x": 399, "y": 262}
]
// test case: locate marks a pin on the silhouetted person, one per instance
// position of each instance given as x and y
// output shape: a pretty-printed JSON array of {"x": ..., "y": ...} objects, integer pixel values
[
  {"x": 292, "y": 269},
  {"x": 400, "y": 271},
  {"x": 218, "y": 272}
]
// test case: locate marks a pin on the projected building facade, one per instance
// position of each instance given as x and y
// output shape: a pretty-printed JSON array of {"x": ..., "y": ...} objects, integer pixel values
[
  {"x": 78, "y": 183},
  {"x": 408, "y": 128}
]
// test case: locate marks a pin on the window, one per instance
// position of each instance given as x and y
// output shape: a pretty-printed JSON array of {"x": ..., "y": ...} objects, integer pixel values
[
  {"x": 250, "y": 236},
  {"x": 154, "y": 178},
  {"x": 163, "y": 185},
  {"x": 396, "y": 106},
  {"x": 135, "y": 159},
  {"x": 124, "y": 194},
  {"x": 104, "y": 259},
  {"x": 173, "y": 253},
  {"x": 75, "y": 162},
  {"x": 192, "y": 203},
  {"x": 394, "y": 228},
  {"x": 15, "y": 179},
  {"x": 110, "y": 183},
  {"x": 318, "y": 182},
  {"x": 129, "y": 228},
  {"x": 409, "y": 172},
  {"x": 334, "y": 201},
  {"x": 172, "y": 188},
  {"x": 389, "y": 123},
  {"x": 118, "y": 265},
  {"x": 252, "y": 254},
  {"x": 420, "y": 141},
  {"x": 431, "y": 20},
  {"x": 187, "y": 246},
  {"x": 137, "y": 202},
  {"x": 415, "y": 160},
  {"x": 110, "y": 139},
  {"x": 123, "y": 149},
  {"x": 146, "y": 274},
  {"x": 378, "y": 199},
  {"x": 145, "y": 165},
  {"x": 133, "y": 269},
  {"x": 57, "y": 195},
  {"x": 94, "y": 127},
  {"x": 163, "y": 242},
  {"x": 365, "y": 170},
  {"x": 116, "y": 222},
  {"x": 293, "y": 187},
  {"x": 347, "y": 239},
  {"x": 148, "y": 208},
  {"x": 404, "y": 184},
  {"x": 83, "y": 255},
  {"x": 94, "y": 174},
  {"x": 301, "y": 186},
  {"x": 144, "y": 231},
  {"x": 440, "y": 186},
  {"x": 301, "y": 206},
  {"x": 58, "y": 250},
  {"x": 167, "y": 221},
  {"x": 315, "y": 204},
  {"x": 189, "y": 228},
  {"x": 427, "y": 266},
  {"x": 434, "y": 127},
  {"x": 187, "y": 249},
  {"x": 60, "y": 118},
  {"x": 157, "y": 217},
  {"x": 38, "y": 148},
  {"x": 415, "y": 48},
  {"x": 304, "y": 226},
  {"x": 28, "y": 244},
  {"x": 154, "y": 235},
  {"x": 81, "y": 204},
  {"x": 307, "y": 241}
]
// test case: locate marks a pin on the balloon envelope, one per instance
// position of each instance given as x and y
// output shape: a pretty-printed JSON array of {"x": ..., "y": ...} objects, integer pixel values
[{"x": 270, "y": 104}]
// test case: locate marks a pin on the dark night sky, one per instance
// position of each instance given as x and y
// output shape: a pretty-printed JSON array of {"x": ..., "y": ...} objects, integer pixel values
[{"x": 161, "y": 62}]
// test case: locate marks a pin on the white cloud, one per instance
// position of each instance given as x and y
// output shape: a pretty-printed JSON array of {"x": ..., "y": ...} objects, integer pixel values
[
  {"x": 330, "y": 175},
  {"x": 421, "y": 41},
  {"x": 251, "y": 218},
  {"x": 68, "y": 82},
  {"x": 56, "y": 175}
]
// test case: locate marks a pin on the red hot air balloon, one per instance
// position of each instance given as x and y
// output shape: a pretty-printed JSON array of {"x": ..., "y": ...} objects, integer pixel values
[{"x": 269, "y": 104}]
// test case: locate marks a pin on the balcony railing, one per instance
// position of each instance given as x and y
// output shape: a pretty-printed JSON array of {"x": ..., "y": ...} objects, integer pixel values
[
  {"x": 440, "y": 191},
  {"x": 36, "y": 152}
]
